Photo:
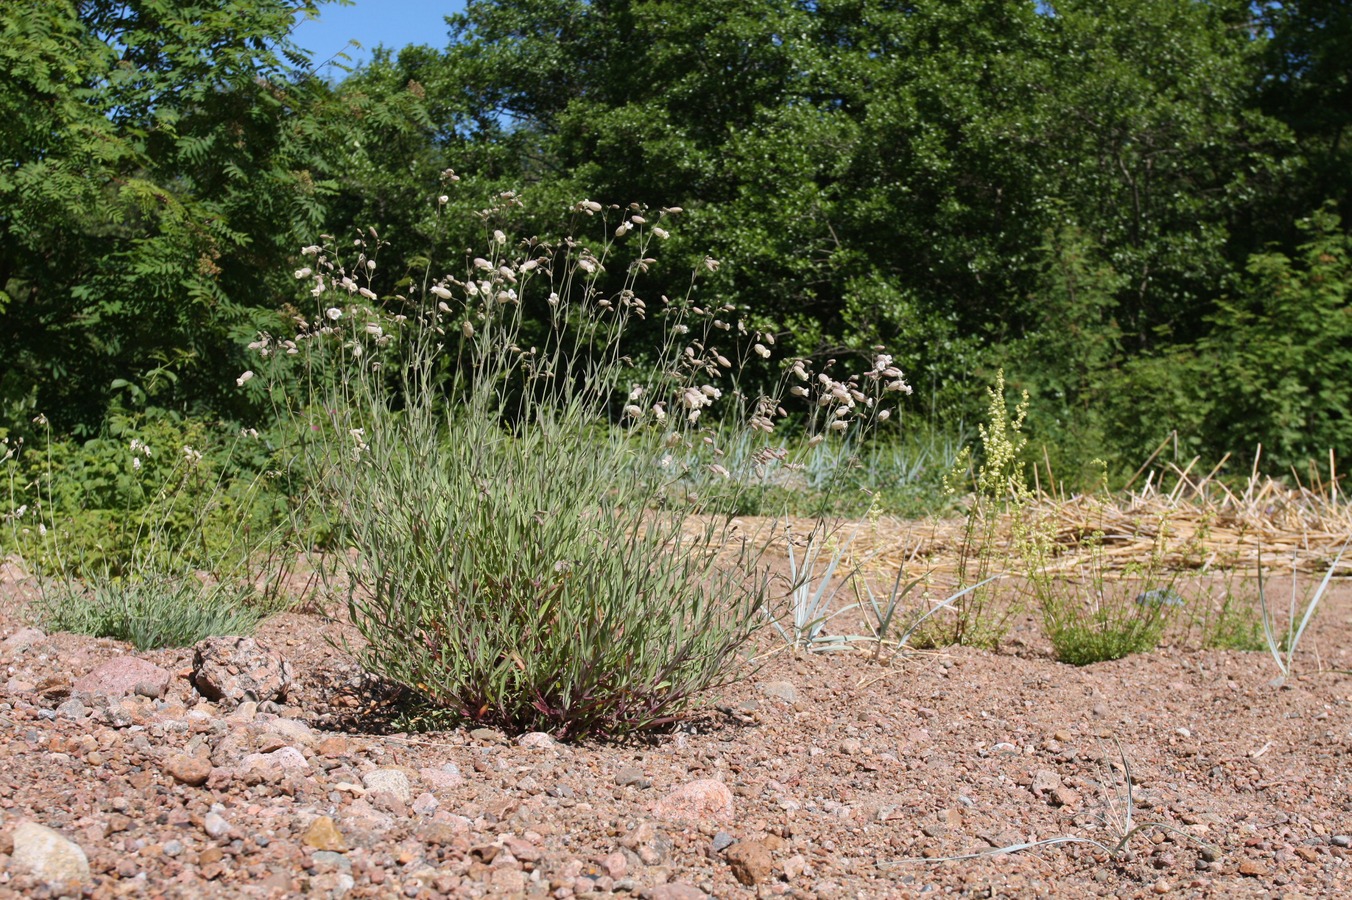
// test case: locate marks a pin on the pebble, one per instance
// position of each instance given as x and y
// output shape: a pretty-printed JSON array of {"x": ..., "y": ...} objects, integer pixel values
[
  {"x": 632, "y": 776},
  {"x": 749, "y": 861},
  {"x": 215, "y": 825},
  {"x": 324, "y": 835},
  {"x": 1341, "y": 840},
  {"x": 391, "y": 781},
  {"x": 781, "y": 690},
  {"x": 190, "y": 770},
  {"x": 48, "y": 855}
]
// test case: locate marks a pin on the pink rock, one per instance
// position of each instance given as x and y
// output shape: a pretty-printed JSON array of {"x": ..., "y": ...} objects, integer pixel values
[
  {"x": 443, "y": 778},
  {"x": 284, "y": 757},
  {"x": 698, "y": 801},
  {"x": 235, "y": 670},
  {"x": 20, "y": 641},
  {"x": 124, "y": 675}
]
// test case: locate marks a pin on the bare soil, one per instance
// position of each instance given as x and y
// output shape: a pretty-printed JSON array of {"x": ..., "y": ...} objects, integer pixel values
[{"x": 848, "y": 778}]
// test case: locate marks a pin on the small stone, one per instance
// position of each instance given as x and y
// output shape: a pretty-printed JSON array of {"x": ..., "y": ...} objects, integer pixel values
[
  {"x": 1064, "y": 796},
  {"x": 324, "y": 835},
  {"x": 536, "y": 740},
  {"x": 1253, "y": 868},
  {"x": 391, "y": 781},
  {"x": 1045, "y": 781},
  {"x": 616, "y": 865},
  {"x": 282, "y": 758},
  {"x": 781, "y": 690},
  {"x": 1341, "y": 840},
  {"x": 72, "y": 709},
  {"x": 443, "y": 778},
  {"x": 703, "y": 800},
  {"x": 1161, "y": 887},
  {"x": 795, "y": 866},
  {"x": 648, "y": 843},
  {"x": 215, "y": 825},
  {"x": 1183, "y": 732},
  {"x": 331, "y": 860},
  {"x": 487, "y": 735},
  {"x": 749, "y": 861},
  {"x": 632, "y": 776},
  {"x": 1062, "y": 736},
  {"x": 190, "y": 770},
  {"x": 851, "y": 746},
  {"x": 47, "y": 855},
  {"x": 122, "y": 675},
  {"x": 522, "y": 849},
  {"x": 426, "y": 804},
  {"x": 722, "y": 841}
]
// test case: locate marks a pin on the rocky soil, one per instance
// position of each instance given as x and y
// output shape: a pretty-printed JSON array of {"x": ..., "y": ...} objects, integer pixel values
[{"x": 226, "y": 771}]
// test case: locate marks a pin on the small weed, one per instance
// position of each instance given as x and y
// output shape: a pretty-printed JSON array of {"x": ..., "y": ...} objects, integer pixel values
[
  {"x": 979, "y": 617},
  {"x": 1282, "y": 642}
]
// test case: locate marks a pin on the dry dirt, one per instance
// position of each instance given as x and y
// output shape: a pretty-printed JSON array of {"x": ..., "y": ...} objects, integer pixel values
[{"x": 842, "y": 776}]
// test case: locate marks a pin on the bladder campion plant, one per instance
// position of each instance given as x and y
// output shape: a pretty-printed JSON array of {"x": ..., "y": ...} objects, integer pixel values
[{"x": 505, "y": 473}]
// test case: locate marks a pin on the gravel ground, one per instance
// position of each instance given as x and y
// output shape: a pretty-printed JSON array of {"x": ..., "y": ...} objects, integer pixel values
[{"x": 825, "y": 775}]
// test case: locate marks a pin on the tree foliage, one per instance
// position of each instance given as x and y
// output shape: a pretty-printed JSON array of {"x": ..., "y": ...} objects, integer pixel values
[{"x": 1078, "y": 191}]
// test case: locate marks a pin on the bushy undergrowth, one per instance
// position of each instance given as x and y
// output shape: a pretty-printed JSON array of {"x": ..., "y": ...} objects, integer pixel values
[
  {"x": 541, "y": 526},
  {"x": 161, "y": 532}
]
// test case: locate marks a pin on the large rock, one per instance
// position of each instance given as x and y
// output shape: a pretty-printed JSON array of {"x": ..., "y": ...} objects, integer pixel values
[
  {"x": 233, "y": 670},
  {"x": 47, "y": 855},
  {"x": 125, "y": 675},
  {"x": 19, "y": 641}
]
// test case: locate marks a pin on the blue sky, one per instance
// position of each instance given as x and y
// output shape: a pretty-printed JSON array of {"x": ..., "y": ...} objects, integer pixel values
[{"x": 394, "y": 23}]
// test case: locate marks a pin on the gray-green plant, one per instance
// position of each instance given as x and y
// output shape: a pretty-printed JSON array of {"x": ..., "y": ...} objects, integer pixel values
[
  {"x": 522, "y": 553},
  {"x": 1282, "y": 640}
]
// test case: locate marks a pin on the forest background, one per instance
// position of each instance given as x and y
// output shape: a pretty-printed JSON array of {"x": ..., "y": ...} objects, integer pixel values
[{"x": 1132, "y": 207}]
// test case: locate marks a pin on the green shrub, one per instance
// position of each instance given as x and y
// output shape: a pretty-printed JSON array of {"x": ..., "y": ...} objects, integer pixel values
[{"x": 539, "y": 541}]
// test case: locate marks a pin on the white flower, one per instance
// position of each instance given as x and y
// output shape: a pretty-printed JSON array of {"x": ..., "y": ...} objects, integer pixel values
[
  {"x": 368, "y": 294},
  {"x": 661, "y": 232},
  {"x": 244, "y": 379},
  {"x": 443, "y": 199},
  {"x": 553, "y": 298},
  {"x": 440, "y": 291},
  {"x": 635, "y": 391},
  {"x": 374, "y": 329},
  {"x": 304, "y": 272},
  {"x": 711, "y": 264},
  {"x": 762, "y": 351},
  {"x": 798, "y": 390},
  {"x": 507, "y": 296},
  {"x": 623, "y": 229},
  {"x": 481, "y": 263},
  {"x": 719, "y": 470},
  {"x": 586, "y": 265},
  {"x": 839, "y": 425},
  {"x": 723, "y": 361},
  {"x": 443, "y": 307},
  {"x": 136, "y": 462},
  {"x": 334, "y": 313},
  {"x": 467, "y": 329},
  {"x": 633, "y": 412},
  {"x": 884, "y": 415},
  {"x": 499, "y": 237}
]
